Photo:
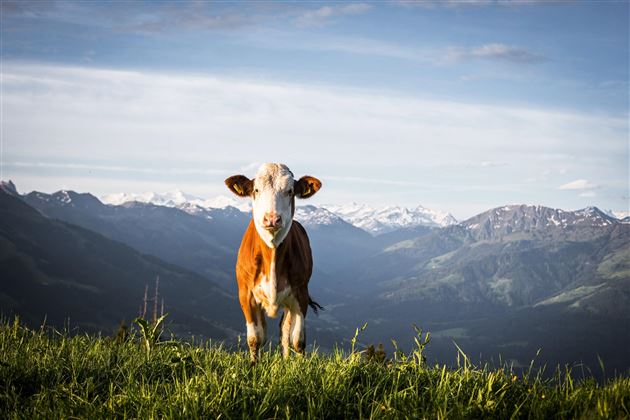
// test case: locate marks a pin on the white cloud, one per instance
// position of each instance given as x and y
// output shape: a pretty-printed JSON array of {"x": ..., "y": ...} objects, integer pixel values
[
  {"x": 113, "y": 168},
  {"x": 494, "y": 51},
  {"x": 579, "y": 184},
  {"x": 452, "y": 4},
  {"x": 344, "y": 44},
  {"x": 590, "y": 193},
  {"x": 435, "y": 56},
  {"x": 190, "y": 129},
  {"x": 67, "y": 111},
  {"x": 322, "y": 15},
  {"x": 442, "y": 3}
]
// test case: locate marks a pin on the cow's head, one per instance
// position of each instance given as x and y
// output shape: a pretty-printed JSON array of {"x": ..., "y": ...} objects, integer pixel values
[{"x": 273, "y": 193}]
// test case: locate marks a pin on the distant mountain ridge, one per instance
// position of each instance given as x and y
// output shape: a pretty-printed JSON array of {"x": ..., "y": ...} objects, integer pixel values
[
  {"x": 176, "y": 198},
  {"x": 513, "y": 218},
  {"x": 381, "y": 220},
  {"x": 203, "y": 240},
  {"x": 373, "y": 220}
]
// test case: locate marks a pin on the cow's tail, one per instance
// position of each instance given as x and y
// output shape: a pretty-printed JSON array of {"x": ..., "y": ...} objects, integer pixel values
[{"x": 316, "y": 306}]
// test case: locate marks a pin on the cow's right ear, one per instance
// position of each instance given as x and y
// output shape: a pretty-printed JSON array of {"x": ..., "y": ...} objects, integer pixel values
[{"x": 240, "y": 185}]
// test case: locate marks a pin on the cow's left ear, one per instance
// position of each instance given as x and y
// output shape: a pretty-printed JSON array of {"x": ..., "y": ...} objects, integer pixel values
[{"x": 307, "y": 186}]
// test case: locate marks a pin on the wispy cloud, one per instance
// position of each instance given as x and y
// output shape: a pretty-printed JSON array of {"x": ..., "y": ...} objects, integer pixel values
[
  {"x": 579, "y": 184},
  {"x": 322, "y": 16},
  {"x": 451, "y": 4},
  {"x": 114, "y": 168},
  {"x": 435, "y": 55},
  {"x": 494, "y": 52},
  {"x": 431, "y": 4},
  {"x": 589, "y": 193},
  {"x": 156, "y": 18}
]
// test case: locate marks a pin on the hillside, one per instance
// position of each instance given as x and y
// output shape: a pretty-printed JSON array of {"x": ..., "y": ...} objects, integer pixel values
[
  {"x": 62, "y": 273},
  {"x": 507, "y": 282},
  {"x": 204, "y": 241}
]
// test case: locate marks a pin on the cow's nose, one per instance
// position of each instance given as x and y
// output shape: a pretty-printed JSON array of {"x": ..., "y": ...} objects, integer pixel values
[{"x": 272, "y": 220}]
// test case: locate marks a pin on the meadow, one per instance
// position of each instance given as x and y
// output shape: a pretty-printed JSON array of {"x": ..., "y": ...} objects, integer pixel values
[{"x": 50, "y": 374}]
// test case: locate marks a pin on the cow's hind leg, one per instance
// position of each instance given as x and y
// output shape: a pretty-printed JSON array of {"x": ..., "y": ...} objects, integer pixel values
[
  {"x": 298, "y": 336},
  {"x": 298, "y": 313},
  {"x": 285, "y": 331}
]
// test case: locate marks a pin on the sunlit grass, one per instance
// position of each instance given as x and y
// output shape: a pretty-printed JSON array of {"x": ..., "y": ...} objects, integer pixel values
[{"x": 54, "y": 375}]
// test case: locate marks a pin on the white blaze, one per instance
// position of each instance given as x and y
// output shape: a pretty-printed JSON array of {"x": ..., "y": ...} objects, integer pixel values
[{"x": 273, "y": 193}]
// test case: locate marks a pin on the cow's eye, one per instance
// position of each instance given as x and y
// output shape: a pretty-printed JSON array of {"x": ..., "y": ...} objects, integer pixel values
[
  {"x": 255, "y": 191},
  {"x": 290, "y": 192}
]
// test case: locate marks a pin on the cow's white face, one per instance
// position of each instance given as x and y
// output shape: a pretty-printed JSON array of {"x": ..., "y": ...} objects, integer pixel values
[
  {"x": 273, "y": 193},
  {"x": 273, "y": 203}
]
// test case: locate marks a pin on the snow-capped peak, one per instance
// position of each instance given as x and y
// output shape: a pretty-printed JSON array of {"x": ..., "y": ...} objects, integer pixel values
[
  {"x": 310, "y": 216},
  {"x": 515, "y": 218},
  {"x": 177, "y": 199},
  {"x": 386, "y": 219},
  {"x": 222, "y": 201},
  {"x": 169, "y": 199}
]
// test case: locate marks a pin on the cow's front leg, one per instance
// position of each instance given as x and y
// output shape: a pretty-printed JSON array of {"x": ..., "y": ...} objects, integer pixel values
[{"x": 256, "y": 325}]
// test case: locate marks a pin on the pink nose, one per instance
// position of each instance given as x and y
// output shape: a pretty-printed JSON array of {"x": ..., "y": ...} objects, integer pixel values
[{"x": 272, "y": 220}]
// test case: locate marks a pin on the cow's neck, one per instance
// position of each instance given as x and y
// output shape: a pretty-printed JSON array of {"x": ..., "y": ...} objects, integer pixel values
[
  {"x": 272, "y": 259},
  {"x": 271, "y": 256}
]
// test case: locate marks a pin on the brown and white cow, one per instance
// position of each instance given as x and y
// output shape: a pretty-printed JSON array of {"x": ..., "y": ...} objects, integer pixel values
[{"x": 274, "y": 261}]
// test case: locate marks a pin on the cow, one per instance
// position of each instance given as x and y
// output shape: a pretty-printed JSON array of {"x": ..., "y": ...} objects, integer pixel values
[{"x": 274, "y": 262}]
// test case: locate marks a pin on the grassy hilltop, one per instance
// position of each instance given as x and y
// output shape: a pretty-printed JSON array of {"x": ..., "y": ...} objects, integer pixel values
[{"x": 54, "y": 375}]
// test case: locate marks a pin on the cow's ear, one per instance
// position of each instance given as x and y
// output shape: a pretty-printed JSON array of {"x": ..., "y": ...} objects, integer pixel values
[
  {"x": 307, "y": 186},
  {"x": 240, "y": 185}
]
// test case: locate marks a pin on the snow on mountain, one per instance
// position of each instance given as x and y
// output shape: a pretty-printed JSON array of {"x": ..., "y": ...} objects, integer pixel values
[
  {"x": 179, "y": 199},
  {"x": 222, "y": 201},
  {"x": 380, "y": 220},
  {"x": 520, "y": 217},
  {"x": 387, "y": 219},
  {"x": 311, "y": 216},
  {"x": 169, "y": 199},
  {"x": 594, "y": 216},
  {"x": 373, "y": 220}
]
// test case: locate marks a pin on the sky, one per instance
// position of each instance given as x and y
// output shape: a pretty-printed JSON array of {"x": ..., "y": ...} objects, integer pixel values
[{"x": 459, "y": 106}]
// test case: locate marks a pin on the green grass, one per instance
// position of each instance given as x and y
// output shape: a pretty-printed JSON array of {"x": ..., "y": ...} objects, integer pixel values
[{"x": 54, "y": 375}]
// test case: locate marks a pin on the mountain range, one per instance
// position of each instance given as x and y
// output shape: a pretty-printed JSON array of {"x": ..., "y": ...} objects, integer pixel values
[
  {"x": 55, "y": 271},
  {"x": 505, "y": 282}
]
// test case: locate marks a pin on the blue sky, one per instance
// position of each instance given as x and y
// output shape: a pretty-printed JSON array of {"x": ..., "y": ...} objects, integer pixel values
[{"x": 459, "y": 106}]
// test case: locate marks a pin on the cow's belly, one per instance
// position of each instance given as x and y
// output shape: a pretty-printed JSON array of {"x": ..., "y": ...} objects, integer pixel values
[{"x": 270, "y": 297}]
